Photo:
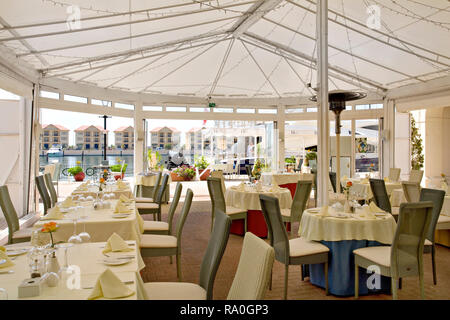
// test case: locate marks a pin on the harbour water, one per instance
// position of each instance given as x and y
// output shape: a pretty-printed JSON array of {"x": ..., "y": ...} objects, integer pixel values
[{"x": 86, "y": 162}]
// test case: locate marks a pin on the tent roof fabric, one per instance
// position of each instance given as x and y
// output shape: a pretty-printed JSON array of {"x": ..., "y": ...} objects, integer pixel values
[{"x": 229, "y": 48}]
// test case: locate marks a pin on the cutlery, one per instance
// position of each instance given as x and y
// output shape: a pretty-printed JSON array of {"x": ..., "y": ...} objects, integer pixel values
[{"x": 124, "y": 282}]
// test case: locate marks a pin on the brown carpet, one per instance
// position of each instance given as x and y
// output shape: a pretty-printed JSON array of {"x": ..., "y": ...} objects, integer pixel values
[{"x": 195, "y": 239}]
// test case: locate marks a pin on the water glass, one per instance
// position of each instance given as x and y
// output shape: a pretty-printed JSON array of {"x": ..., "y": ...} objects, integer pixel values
[{"x": 3, "y": 294}]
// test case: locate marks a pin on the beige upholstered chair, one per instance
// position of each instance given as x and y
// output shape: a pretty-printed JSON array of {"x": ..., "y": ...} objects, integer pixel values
[
  {"x": 161, "y": 227},
  {"x": 411, "y": 190},
  {"x": 394, "y": 174},
  {"x": 253, "y": 273},
  {"x": 299, "y": 203},
  {"x": 154, "y": 207},
  {"x": 219, "y": 174},
  {"x": 405, "y": 257},
  {"x": 51, "y": 189},
  {"x": 208, "y": 269},
  {"x": 416, "y": 176},
  {"x": 154, "y": 193},
  {"x": 155, "y": 245}
]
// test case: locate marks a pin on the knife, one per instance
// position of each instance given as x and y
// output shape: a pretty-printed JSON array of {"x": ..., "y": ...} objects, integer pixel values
[{"x": 124, "y": 282}]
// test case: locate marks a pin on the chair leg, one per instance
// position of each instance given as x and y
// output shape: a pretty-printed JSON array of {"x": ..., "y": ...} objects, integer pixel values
[
  {"x": 171, "y": 260},
  {"x": 179, "y": 267},
  {"x": 400, "y": 283},
  {"x": 433, "y": 263},
  {"x": 245, "y": 225},
  {"x": 301, "y": 273},
  {"x": 325, "y": 266},
  {"x": 422, "y": 289},
  {"x": 356, "y": 281},
  {"x": 270, "y": 282},
  {"x": 286, "y": 278},
  {"x": 394, "y": 288}
]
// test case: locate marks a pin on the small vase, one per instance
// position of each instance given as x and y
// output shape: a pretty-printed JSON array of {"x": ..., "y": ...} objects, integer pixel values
[
  {"x": 347, "y": 207},
  {"x": 53, "y": 264}
]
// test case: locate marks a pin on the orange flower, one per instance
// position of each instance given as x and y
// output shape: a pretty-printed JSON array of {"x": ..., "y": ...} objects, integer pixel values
[
  {"x": 102, "y": 180},
  {"x": 349, "y": 184},
  {"x": 105, "y": 171},
  {"x": 49, "y": 227},
  {"x": 372, "y": 165}
]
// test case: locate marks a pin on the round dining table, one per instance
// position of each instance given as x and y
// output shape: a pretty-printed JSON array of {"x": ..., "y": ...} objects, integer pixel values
[
  {"x": 247, "y": 198},
  {"x": 286, "y": 180},
  {"x": 342, "y": 233}
]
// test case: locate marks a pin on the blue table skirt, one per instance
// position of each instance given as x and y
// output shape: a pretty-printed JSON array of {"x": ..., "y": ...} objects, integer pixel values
[{"x": 341, "y": 269}]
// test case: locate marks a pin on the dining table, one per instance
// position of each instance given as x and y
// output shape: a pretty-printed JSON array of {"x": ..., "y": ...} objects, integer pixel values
[
  {"x": 246, "y": 197},
  {"x": 361, "y": 190},
  {"x": 144, "y": 184},
  {"x": 92, "y": 189},
  {"x": 342, "y": 233},
  {"x": 285, "y": 179},
  {"x": 82, "y": 264}
]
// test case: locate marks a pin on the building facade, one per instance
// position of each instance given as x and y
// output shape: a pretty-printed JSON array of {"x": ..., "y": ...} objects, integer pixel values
[
  {"x": 164, "y": 138},
  {"x": 90, "y": 137},
  {"x": 124, "y": 138},
  {"x": 53, "y": 134}
]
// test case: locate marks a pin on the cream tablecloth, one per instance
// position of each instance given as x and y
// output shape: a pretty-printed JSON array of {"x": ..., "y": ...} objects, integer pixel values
[
  {"x": 113, "y": 188},
  {"x": 398, "y": 197},
  {"x": 249, "y": 198},
  {"x": 87, "y": 257},
  {"x": 147, "y": 180},
  {"x": 317, "y": 228},
  {"x": 362, "y": 190},
  {"x": 100, "y": 224},
  {"x": 269, "y": 178}
]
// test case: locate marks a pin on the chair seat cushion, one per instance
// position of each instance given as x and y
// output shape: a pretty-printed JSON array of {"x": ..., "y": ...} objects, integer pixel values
[
  {"x": 143, "y": 199},
  {"x": 300, "y": 247},
  {"x": 286, "y": 212},
  {"x": 174, "y": 291},
  {"x": 146, "y": 205},
  {"x": 23, "y": 233},
  {"x": 380, "y": 255},
  {"x": 233, "y": 210},
  {"x": 158, "y": 241},
  {"x": 156, "y": 225}
]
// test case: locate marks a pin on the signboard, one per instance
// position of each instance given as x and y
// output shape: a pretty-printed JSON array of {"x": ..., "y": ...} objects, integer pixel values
[{"x": 361, "y": 145}]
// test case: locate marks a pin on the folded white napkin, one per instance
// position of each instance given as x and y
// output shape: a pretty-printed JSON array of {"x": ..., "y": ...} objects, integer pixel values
[
  {"x": 67, "y": 203},
  {"x": 121, "y": 208},
  {"x": 367, "y": 213},
  {"x": 53, "y": 214},
  {"x": 4, "y": 256},
  {"x": 108, "y": 285},
  {"x": 324, "y": 211},
  {"x": 115, "y": 243},
  {"x": 125, "y": 199},
  {"x": 259, "y": 186},
  {"x": 337, "y": 206},
  {"x": 241, "y": 187},
  {"x": 365, "y": 180},
  {"x": 373, "y": 207}
]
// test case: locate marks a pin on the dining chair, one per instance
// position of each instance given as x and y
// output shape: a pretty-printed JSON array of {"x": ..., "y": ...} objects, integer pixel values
[
  {"x": 411, "y": 190},
  {"x": 51, "y": 189},
  {"x": 15, "y": 233},
  {"x": 208, "y": 269},
  {"x": 299, "y": 203},
  {"x": 155, "y": 245},
  {"x": 154, "y": 207},
  {"x": 394, "y": 174},
  {"x": 296, "y": 251},
  {"x": 314, "y": 187},
  {"x": 333, "y": 180},
  {"x": 40, "y": 183},
  {"x": 161, "y": 227},
  {"x": 145, "y": 191},
  {"x": 380, "y": 195},
  {"x": 219, "y": 174},
  {"x": 254, "y": 269},
  {"x": 56, "y": 175},
  {"x": 248, "y": 169},
  {"x": 416, "y": 176},
  {"x": 437, "y": 197},
  {"x": 217, "y": 197},
  {"x": 404, "y": 257}
]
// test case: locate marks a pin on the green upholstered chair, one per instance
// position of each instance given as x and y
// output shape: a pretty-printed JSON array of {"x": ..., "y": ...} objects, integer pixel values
[
  {"x": 143, "y": 191},
  {"x": 51, "y": 189},
  {"x": 380, "y": 195},
  {"x": 45, "y": 197},
  {"x": 296, "y": 251},
  {"x": 404, "y": 257},
  {"x": 299, "y": 203},
  {"x": 416, "y": 176},
  {"x": 15, "y": 233},
  {"x": 154, "y": 207},
  {"x": 394, "y": 174},
  {"x": 333, "y": 180},
  {"x": 411, "y": 190},
  {"x": 218, "y": 202},
  {"x": 253, "y": 273},
  {"x": 208, "y": 269},
  {"x": 155, "y": 245}
]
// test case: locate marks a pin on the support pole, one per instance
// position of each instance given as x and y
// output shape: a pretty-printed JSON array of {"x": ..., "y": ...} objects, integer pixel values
[{"x": 322, "y": 105}]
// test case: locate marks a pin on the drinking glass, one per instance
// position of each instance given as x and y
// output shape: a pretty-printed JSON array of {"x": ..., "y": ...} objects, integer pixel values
[
  {"x": 85, "y": 237},
  {"x": 75, "y": 238},
  {"x": 65, "y": 246},
  {"x": 3, "y": 294}
]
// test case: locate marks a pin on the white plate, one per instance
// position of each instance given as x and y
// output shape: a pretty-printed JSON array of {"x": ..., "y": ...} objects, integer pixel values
[
  {"x": 120, "y": 215},
  {"x": 115, "y": 261},
  {"x": 17, "y": 252}
]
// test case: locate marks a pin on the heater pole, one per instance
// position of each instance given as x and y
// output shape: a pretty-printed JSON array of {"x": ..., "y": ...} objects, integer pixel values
[{"x": 338, "y": 153}]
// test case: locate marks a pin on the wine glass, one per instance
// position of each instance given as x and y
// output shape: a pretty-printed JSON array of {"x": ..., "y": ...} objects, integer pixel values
[
  {"x": 65, "y": 246},
  {"x": 75, "y": 238},
  {"x": 85, "y": 237}
]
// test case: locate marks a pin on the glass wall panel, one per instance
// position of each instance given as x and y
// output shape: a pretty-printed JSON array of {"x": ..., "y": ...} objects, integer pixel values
[{"x": 366, "y": 148}]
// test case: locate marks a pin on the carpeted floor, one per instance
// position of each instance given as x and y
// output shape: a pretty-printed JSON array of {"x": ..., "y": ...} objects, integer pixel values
[{"x": 195, "y": 239}]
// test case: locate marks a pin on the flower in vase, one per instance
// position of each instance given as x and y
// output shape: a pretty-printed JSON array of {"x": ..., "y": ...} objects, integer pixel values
[{"x": 50, "y": 228}]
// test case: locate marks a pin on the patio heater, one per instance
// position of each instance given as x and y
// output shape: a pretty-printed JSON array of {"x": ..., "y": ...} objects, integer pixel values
[
  {"x": 104, "y": 135},
  {"x": 337, "y": 100}
]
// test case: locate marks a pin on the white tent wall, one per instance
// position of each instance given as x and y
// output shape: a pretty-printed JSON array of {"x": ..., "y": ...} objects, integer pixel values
[{"x": 402, "y": 156}]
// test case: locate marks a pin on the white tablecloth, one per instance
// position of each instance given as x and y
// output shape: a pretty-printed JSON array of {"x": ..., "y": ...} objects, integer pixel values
[
  {"x": 249, "y": 199},
  {"x": 362, "y": 190},
  {"x": 269, "y": 178},
  {"x": 397, "y": 197},
  {"x": 148, "y": 180},
  {"x": 87, "y": 257},
  {"x": 100, "y": 224},
  {"x": 314, "y": 227},
  {"x": 92, "y": 191}
]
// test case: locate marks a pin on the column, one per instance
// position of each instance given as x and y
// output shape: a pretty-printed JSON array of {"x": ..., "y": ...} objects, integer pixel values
[
  {"x": 281, "y": 136},
  {"x": 138, "y": 138},
  {"x": 387, "y": 139}
]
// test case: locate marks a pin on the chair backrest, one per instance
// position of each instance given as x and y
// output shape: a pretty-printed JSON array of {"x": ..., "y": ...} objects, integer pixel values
[
  {"x": 9, "y": 212},
  {"x": 277, "y": 232},
  {"x": 51, "y": 189},
  {"x": 162, "y": 189},
  {"x": 254, "y": 270},
  {"x": 416, "y": 176},
  {"x": 183, "y": 215},
  {"x": 394, "y": 174},
  {"x": 40, "y": 183},
  {"x": 219, "y": 174},
  {"x": 380, "y": 194},
  {"x": 248, "y": 169},
  {"x": 216, "y": 247},
  {"x": 57, "y": 172},
  {"x": 156, "y": 187},
  {"x": 333, "y": 180},
  {"x": 216, "y": 194},
  {"x": 174, "y": 204},
  {"x": 437, "y": 197},
  {"x": 411, "y": 190},
  {"x": 301, "y": 198},
  {"x": 407, "y": 247}
]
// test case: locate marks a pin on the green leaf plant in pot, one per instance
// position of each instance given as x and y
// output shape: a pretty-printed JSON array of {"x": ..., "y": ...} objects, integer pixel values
[
  {"x": 77, "y": 173},
  {"x": 310, "y": 155},
  {"x": 201, "y": 164},
  {"x": 118, "y": 171}
]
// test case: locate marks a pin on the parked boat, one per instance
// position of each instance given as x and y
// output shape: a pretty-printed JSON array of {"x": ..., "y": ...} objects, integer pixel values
[{"x": 55, "y": 151}]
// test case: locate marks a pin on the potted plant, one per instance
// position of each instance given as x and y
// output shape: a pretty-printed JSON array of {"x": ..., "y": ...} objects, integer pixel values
[
  {"x": 116, "y": 170},
  {"x": 310, "y": 159},
  {"x": 77, "y": 172},
  {"x": 257, "y": 169},
  {"x": 183, "y": 173},
  {"x": 290, "y": 163},
  {"x": 154, "y": 160},
  {"x": 201, "y": 164}
]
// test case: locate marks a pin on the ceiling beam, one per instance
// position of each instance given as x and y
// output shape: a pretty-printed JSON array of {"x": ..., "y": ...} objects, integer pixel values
[
  {"x": 432, "y": 86},
  {"x": 253, "y": 14},
  {"x": 222, "y": 65}
]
